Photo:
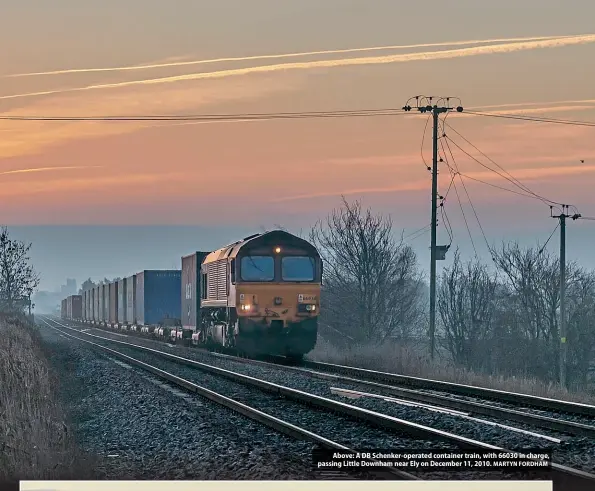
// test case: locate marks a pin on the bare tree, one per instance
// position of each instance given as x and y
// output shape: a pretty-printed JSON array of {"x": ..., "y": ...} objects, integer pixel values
[
  {"x": 533, "y": 277},
  {"x": 466, "y": 303},
  {"x": 371, "y": 285},
  {"x": 18, "y": 279},
  {"x": 87, "y": 285},
  {"x": 581, "y": 320}
]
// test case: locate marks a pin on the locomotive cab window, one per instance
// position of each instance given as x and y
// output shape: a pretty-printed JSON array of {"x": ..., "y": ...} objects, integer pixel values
[
  {"x": 257, "y": 268},
  {"x": 298, "y": 268}
]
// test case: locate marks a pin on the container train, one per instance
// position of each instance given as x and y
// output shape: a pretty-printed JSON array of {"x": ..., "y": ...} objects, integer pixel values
[{"x": 257, "y": 296}]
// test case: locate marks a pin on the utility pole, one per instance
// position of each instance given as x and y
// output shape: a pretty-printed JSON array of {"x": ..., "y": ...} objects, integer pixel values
[
  {"x": 441, "y": 106},
  {"x": 563, "y": 344}
]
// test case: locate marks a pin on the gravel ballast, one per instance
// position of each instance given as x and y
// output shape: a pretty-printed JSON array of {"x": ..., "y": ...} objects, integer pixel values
[
  {"x": 578, "y": 452},
  {"x": 139, "y": 430},
  {"x": 337, "y": 428}
]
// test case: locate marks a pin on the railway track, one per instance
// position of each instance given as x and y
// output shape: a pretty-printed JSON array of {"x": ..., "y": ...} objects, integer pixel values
[
  {"x": 257, "y": 415},
  {"x": 479, "y": 406},
  {"x": 556, "y": 405},
  {"x": 559, "y": 472},
  {"x": 484, "y": 403}
]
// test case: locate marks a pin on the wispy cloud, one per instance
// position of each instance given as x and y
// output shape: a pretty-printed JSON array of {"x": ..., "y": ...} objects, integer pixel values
[
  {"x": 282, "y": 55},
  {"x": 47, "y": 169},
  {"x": 333, "y": 63},
  {"x": 530, "y": 104},
  {"x": 525, "y": 174},
  {"x": 76, "y": 186},
  {"x": 31, "y": 136}
]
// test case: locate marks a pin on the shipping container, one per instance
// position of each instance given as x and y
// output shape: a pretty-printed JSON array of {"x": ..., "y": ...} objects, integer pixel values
[
  {"x": 97, "y": 301},
  {"x": 122, "y": 301},
  {"x": 84, "y": 303},
  {"x": 106, "y": 303},
  {"x": 113, "y": 302},
  {"x": 158, "y": 298},
  {"x": 77, "y": 307},
  {"x": 190, "y": 284},
  {"x": 74, "y": 307},
  {"x": 130, "y": 300},
  {"x": 91, "y": 304}
]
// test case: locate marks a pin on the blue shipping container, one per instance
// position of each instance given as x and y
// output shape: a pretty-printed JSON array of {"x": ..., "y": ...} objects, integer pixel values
[
  {"x": 158, "y": 296},
  {"x": 131, "y": 299},
  {"x": 122, "y": 297}
]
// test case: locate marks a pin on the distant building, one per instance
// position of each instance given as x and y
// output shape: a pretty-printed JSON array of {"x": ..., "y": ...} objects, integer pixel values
[
  {"x": 48, "y": 302},
  {"x": 69, "y": 288}
]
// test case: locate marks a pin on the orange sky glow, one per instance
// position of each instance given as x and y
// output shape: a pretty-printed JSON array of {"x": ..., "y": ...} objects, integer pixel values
[{"x": 269, "y": 170}]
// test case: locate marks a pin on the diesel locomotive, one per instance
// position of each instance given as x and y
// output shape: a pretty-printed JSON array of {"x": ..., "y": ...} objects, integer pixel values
[{"x": 257, "y": 296}]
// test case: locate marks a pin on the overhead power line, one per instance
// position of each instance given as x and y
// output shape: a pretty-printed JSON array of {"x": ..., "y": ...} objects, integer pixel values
[
  {"x": 534, "y": 118},
  {"x": 280, "y": 115},
  {"x": 219, "y": 117},
  {"x": 524, "y": 189}
]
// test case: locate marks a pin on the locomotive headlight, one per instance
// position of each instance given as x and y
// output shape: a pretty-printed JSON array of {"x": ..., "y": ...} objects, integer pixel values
[
  {"x": 246, "y": 307},
  {"x": 277, "y": 249},
  {"x": 311, "y": 308}
]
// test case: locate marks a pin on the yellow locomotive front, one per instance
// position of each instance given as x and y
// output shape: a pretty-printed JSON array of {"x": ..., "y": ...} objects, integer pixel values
[{"x": 277, "y": 280}]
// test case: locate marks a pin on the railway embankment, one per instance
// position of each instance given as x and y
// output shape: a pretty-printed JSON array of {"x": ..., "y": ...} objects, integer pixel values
[{"x": 36, "y": 441}]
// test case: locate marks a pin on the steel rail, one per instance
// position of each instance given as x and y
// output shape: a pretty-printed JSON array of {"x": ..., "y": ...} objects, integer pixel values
[
  {"x": 478, "y": 408},
  {"x": 236, "y": 406},
  {"x": 382, "y": 420},
  {"x": 501, "y": 395}
]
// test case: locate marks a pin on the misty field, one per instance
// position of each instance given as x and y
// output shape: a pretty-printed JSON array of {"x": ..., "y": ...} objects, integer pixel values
[
  {"x": 34, "y": 441},
  {"x": 414, "y": 361}
]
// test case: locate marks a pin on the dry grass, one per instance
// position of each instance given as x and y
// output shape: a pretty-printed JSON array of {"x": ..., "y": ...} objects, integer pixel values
[
  {"x": 34, "y": 438},
  {"x": 410, "y": 360}
]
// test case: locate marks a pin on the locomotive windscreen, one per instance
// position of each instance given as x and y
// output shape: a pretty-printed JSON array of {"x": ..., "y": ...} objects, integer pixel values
[
  {"x": 298, "y": 268},
  {"x": 258, "y": 268}
]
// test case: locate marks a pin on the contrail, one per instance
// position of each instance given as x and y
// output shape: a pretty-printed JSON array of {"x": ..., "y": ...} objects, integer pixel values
[
  {"x": 188, "y": 123},
  {"x": 284, "y": 55},
  {"x": 525, "y": 104},
  {"x": 417, "y": 185},
  {"x": 372, "y": 60},
  {"x": 46, "y": 169}
]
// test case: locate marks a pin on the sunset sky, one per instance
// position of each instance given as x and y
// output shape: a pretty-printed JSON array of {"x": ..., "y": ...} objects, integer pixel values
[{"x": 532, "y": 57}]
